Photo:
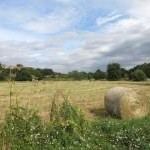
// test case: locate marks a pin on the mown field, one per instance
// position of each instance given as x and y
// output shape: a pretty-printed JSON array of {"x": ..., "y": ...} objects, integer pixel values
[
  {"x": 64, "y": 125},
  {"x": 86, "y": 95}
]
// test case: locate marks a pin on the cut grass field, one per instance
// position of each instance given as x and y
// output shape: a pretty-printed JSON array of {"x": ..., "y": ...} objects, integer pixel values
[
  {"x": 86, "y": 95},
  {"x": 67, "y": 128}
]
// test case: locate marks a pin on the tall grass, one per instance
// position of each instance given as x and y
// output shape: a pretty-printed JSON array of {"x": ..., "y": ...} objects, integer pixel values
[{"x": 68, "y": 129}]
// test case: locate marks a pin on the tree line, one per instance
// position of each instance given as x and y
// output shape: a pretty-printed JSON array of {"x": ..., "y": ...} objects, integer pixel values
[{"x": 114, "y": 72}]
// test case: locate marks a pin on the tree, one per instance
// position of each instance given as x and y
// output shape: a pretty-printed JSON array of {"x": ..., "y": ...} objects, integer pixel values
[
  {"x": 138, "y": 75},
  {"x": 1, "y": 66},
  {"x": 19, "y": 66},
  {"x": 90, "y": 75},
  {"x": 23, "y": 75},
  {"x": 46, "y": 72},
  {"x": 113, "y": 72},
  {"x": 2, "y": 76},
  {"x": 75, "y": 75},
  {"x": 98, "y": 75},
  {"x": 124, "y": 73},
  {"x": 144, "y": 67}
]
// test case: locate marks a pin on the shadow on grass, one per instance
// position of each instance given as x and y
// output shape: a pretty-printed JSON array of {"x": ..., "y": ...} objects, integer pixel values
[
  {"x": 99, "y": 112},
  {"x": 137, "y": 83}
]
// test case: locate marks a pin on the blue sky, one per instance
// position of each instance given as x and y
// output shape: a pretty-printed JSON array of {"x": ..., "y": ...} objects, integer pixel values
[{"x": 66, "y": 34}]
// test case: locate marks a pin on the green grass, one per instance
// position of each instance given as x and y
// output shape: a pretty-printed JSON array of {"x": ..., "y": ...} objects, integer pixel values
[{"x": 68, "y": 129}]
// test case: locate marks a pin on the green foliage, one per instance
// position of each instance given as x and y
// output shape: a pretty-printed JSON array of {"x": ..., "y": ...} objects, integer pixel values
[
  {"x": 90, "y": 76},
  {"x": 75, "y": 75},
  {"x": 67, "y": 124},
  {"x": 2, "y": 77},
  {"x": 126, "y": 134},
  {"x": 23, "y": 75},
  {"x": 67, "y": 113},
  {"x": 98, "y": 75},
  {"x": 138, "y": 75},
  {"x": 144, "y": 67},
  {"x": 46, "y": 72},
  {"x": 35, "y": 73},
  {"x": 124, "y": 74},
  {"x": 113, "y": 72},
  {"x": 22, "y": 129},
  {"x": 68, "y": 129}
]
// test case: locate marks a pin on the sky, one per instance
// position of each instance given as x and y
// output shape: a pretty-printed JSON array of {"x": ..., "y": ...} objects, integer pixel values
[{"x": 68, "y": 35}]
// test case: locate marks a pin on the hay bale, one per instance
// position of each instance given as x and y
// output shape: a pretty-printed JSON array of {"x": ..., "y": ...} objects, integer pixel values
[{"x": 126, "y": 103}]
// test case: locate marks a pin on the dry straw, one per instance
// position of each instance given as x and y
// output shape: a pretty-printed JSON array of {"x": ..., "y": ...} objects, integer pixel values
[{"x": 126, "y": 103}]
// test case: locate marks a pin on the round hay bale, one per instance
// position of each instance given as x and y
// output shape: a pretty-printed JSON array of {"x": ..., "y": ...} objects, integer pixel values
[{"x": 126, "y": 103}]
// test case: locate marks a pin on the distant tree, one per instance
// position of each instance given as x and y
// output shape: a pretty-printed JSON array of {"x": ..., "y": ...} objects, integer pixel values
[
  {"x": 113, "y": 72},
  {"x": 90, "y": 76},
  {"x": 145, "y": 68},
  {"x": 35, "y": 73},
  {"x": 23, "y": 75},
  {"x": 1, "y": 66},
  {"x": 75, "y": 75},
  {"x": 2, "y": 75},
  {"x": 19, "y": 66},
  {"x": 47, "y": 72},
  {"x": 138, "y": 75},
  {"x": 98, "y": 75},
  {"x": 83, "y": 75},
  {"x": 124, "y": 73}
]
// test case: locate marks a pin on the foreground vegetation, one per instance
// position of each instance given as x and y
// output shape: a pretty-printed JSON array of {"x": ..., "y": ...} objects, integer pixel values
[{"x": 68, "y": 129}]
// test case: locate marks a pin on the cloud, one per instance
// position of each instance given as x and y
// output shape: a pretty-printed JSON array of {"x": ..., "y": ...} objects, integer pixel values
[
  {"x": 50, "y": 17},
  {"x": 108, "y": 19},
  {"x": 51, "y": 23},
  {"x": 68, "y": 36},
  {"x": 15, "y": 35}
]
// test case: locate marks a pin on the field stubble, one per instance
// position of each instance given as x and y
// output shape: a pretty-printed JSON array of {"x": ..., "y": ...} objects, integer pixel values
[{"x": 89, "y": 96}]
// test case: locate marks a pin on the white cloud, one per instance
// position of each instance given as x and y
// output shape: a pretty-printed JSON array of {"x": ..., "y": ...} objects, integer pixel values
[
  {"x": 108, "y": 19},
  {"x": 8, "y": 35},
  {"x": 29, "y": 18},
  {"x": 124, "y": 41},
  {"x": 140, "y": 8},
  {"x": 51, "y": 23}
]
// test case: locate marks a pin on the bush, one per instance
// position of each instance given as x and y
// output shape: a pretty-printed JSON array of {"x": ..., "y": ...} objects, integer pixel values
[
  {"x": 23, "y": 75},
  {"x": 98, "y": 75},
  {"x": 22, "y": 129},
  {"x": 68, "y": 129},
  {"x": 2, "y": 77},
  {"x": 138, "y": 75}
]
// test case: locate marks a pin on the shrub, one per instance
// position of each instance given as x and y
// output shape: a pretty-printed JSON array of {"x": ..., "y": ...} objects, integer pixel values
[
  {"x": 22, "y": 129},
  {"x": 98, "y": 75},
  {"x": 23, "y": 75},
  {"x": 138, "y": 75},
  {"x": 69, "y": 130},
  {"x": 67, "y": 121}
]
